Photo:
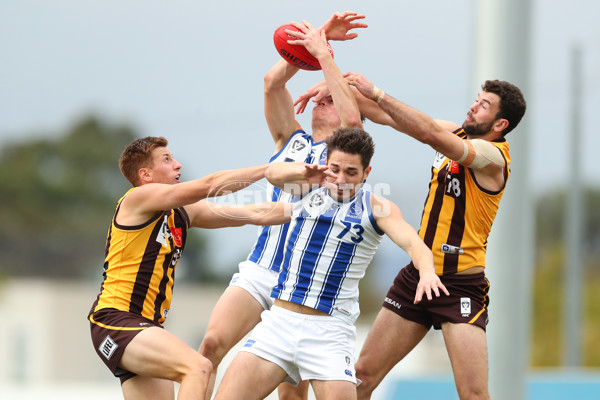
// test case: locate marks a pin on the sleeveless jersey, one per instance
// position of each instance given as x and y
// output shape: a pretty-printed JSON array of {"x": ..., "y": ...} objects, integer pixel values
[
  {"x": 458, "y": 213},
  {"x": 140, "y": 263},
  {"x": 270, "y": 245},
  {"x": 330, "y": 245}
]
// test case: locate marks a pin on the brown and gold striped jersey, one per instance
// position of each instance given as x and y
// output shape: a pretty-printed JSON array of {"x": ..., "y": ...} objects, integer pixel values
[
  {"x": 458, "y": 213},
  {"x": 139, "y": 264}
]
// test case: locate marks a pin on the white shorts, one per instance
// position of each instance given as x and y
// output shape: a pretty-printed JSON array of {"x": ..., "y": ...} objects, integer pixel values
[
  {"x": 256, "y": 280},
  {"x": 305, "y": 346}
]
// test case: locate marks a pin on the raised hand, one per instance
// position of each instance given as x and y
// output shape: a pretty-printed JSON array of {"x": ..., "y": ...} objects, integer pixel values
[
  {"x": 337, "y": 27},
  {"x": 317, "y": 174},
  {"x": 316, "y": 92},
  {"x": 364, "y": 86},
  {"x": 310, "y": 37}
]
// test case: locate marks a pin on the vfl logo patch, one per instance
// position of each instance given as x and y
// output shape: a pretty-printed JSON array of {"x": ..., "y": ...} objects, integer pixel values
[
  {"x": 465, "y": 306},
  {"x": 249, "y": 343},
  {"x": 316, "y": 200},
  {"x": 298, "y": 146},
  {"x": 449, "y": 249},
  {"x": 108, "y": 347},
  {"x": 297, "y": 151}
]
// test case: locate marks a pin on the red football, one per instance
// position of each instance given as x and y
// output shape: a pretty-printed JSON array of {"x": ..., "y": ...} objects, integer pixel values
[{"x": 295, "y": 54}]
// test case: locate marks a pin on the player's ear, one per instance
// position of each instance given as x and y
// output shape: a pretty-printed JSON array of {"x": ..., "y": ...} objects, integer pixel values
[
  {"x": 500, "y": 124},
  {"x": 144, "y": 174},
  {"x": 367, "y": 172}
]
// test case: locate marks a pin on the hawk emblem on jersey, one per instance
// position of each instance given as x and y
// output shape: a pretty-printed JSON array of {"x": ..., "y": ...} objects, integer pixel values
[
  {"x": 164, "y": 233},
  {"x": 439, "y": 160}
]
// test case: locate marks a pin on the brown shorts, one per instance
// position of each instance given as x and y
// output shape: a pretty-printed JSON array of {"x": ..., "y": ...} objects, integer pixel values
[
  {"x": 112, "y": 330},
  {"x": 468, "y": 301}
]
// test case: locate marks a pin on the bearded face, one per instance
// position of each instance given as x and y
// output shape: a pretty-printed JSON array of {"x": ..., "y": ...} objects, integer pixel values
[{"x": 477, "y": 128}]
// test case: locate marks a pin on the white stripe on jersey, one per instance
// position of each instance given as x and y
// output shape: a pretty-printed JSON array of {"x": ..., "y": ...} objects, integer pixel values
[
  {"x": 269, "y": 247},
  {"x": 329, "y": 247}
]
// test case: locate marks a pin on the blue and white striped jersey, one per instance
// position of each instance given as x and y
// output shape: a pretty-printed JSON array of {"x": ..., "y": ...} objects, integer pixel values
[
  {"x": 318, "y": 153},
  {"x": 270, "y": 245},
  {"x": 330, "y": 245}
]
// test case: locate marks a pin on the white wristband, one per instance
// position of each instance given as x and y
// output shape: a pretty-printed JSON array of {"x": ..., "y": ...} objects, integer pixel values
[{"x": 377, "y": 94}]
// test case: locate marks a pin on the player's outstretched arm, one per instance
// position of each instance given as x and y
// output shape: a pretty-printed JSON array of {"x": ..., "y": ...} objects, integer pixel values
[
  {"x": 147, "y": 199},
  {"x": 343, "y": 98},
  {"x": 209, "y": 215},
  {"x": 278, "y": 103},
  {"x": 409, "y": 120},
  {"x": 298, "y": 178},
  {"x": 389, "y": 219}
]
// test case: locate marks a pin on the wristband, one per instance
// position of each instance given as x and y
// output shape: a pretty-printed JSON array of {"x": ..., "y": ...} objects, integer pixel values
[{"x": 377, "y": 94}]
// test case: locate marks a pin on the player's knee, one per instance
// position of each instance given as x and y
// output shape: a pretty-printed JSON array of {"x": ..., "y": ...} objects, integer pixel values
[
  {"x": 198, "y": 368},
  {"x": 367, "y": 384},
  {"x": 213, "y": 348},
  {"x": 471, "y": 392}
]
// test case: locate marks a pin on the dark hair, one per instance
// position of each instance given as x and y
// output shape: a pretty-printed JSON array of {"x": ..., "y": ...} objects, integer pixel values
[
  {"x": 139, "y": 155},
  {"x": 512, "y": 102},
  {"x": 352, "y": 141}
]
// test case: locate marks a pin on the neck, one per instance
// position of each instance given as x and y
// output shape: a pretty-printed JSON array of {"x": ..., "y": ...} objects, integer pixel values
[{"x": 491, "y": 135}]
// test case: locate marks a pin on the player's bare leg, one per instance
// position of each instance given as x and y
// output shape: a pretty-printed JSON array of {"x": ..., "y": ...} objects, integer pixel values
[
  {"x": 234, "y": 315},
  {"x": 384, "y": 348},
  {"x": 287, "y": 391},
  {"x": 144, "y": 387},
  {"x": 334, "y": 390},
  {"x": 249, "y": 377},
  {"x": 467, "y": 349},
  {"x": 158, "y": 353}
]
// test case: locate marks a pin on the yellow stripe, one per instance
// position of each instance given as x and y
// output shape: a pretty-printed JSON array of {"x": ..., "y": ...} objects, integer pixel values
[
  {"x": 116, "y": 328},
  {"x": 483, "y": 309},
  {"x": 477, "y": 315}
]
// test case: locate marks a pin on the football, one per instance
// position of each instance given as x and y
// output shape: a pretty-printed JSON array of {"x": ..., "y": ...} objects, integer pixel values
[{"x": 295, "y": 54}]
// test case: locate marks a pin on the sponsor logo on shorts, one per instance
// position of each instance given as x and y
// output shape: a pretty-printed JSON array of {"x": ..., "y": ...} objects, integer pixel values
[
  {"x": 465, "y": 306},
  {"x": 108, "y": 347},
  {"x": 249, "y": 343},
  {"x": 165, "y": 312},
  {"x": 449, "y": 249},
  {"x": 342, "y": 310},
  {"x": 347, "y": 360},
  {"x": 392, "y": 302},
  {"x": 348, "y": 372}
]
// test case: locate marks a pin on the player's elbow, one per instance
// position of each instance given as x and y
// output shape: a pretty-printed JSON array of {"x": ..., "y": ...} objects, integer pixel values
[
  {"x": 431, "y": 135},
  {"x": 352, "y": 121},
  {"x": 272, "y": 82}
]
